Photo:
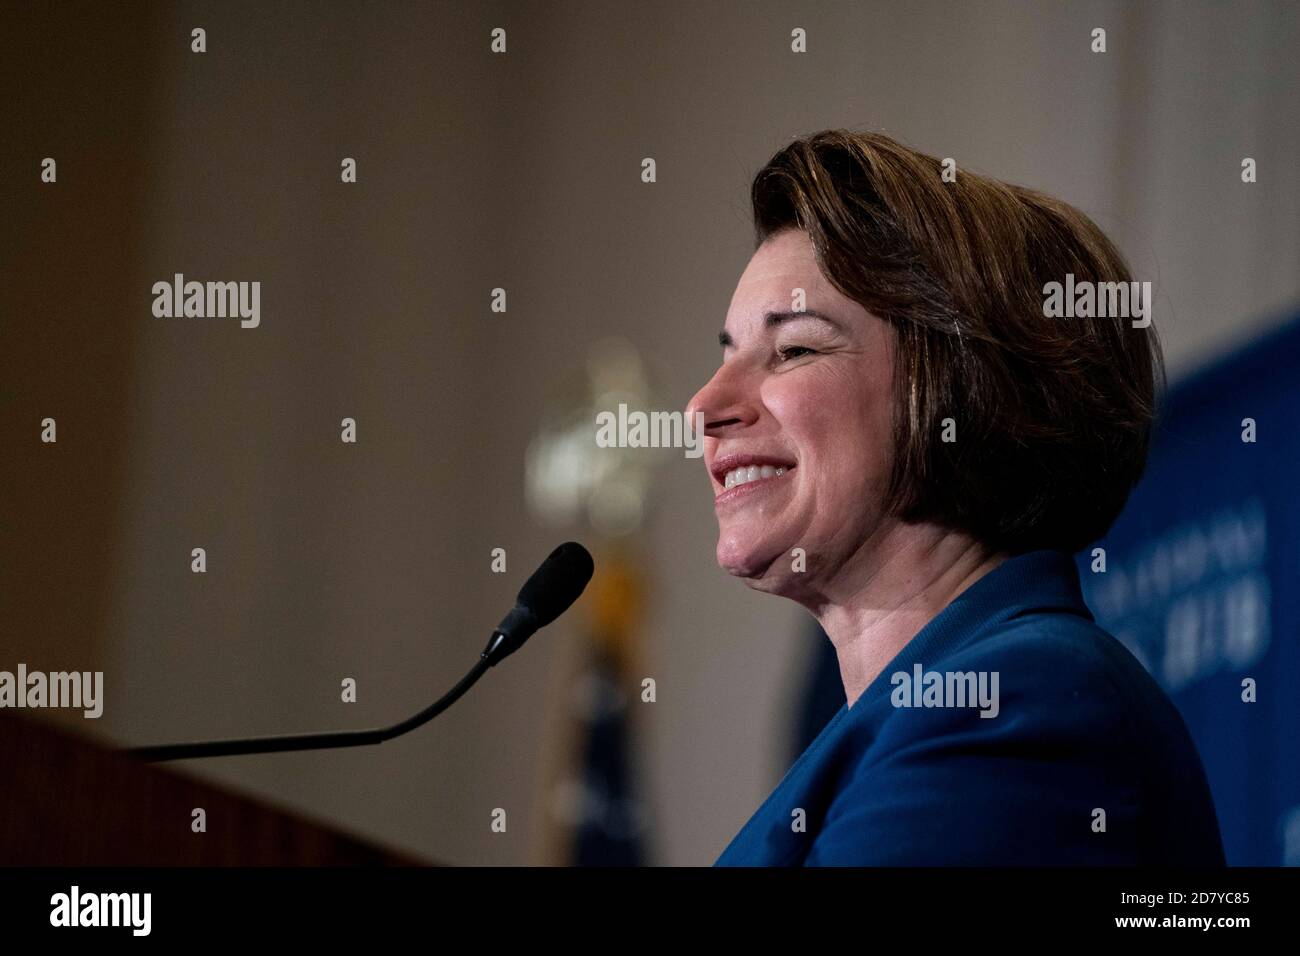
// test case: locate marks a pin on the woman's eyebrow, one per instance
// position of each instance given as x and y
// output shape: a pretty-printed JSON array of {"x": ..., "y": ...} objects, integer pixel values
[{"x": 774, "y": 318}]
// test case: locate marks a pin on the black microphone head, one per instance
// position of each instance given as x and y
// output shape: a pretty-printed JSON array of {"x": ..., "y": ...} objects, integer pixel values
[{"x": 557, "y": 583}]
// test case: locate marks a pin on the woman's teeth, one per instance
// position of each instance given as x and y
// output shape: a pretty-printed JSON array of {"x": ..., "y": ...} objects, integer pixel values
[{"x": 740, "y": 476}]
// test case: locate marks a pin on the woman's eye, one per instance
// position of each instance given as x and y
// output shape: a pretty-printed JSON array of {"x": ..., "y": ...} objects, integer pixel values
[{"x": 793, "y": 352}]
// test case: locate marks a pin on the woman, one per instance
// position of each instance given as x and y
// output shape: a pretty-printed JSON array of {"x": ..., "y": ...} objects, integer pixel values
[{"x": 902, "y": 441}]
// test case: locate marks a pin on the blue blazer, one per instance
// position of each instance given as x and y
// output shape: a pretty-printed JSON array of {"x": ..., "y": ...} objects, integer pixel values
[{"x": 1082, "y": 758}]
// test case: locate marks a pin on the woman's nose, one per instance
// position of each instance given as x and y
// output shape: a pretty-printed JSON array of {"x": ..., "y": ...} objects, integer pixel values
[{"x": 728, "y": 402}]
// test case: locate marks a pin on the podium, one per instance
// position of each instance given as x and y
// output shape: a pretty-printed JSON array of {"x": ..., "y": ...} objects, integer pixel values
[{"x": 66, "y": 800}]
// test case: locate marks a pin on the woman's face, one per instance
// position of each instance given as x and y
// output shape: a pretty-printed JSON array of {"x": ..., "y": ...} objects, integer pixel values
[{"x": 798, "y": 435}]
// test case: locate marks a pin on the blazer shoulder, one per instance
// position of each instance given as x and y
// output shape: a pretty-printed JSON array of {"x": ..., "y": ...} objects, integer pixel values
[
  {"x": 1049, "y": 660},
  {"x": 1055, "y": 648}
]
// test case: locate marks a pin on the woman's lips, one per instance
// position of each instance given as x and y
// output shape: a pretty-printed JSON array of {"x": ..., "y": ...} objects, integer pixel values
[{"x": 762, "y": 484}]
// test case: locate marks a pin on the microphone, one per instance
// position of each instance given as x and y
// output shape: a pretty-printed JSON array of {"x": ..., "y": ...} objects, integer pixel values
[
  {"x": 551, "y": 591},
  {"x": 545, "y": 596}
]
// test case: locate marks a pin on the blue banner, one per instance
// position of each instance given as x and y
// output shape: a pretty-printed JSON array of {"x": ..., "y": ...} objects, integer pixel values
[{"x": 1201, "y": 582}]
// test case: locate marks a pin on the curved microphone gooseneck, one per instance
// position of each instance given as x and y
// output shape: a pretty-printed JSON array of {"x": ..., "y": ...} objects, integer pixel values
[{"x": 546, "y": 595}]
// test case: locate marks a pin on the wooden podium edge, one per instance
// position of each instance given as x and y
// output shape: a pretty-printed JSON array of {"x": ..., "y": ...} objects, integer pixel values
[{"x": 67, "y": 800}]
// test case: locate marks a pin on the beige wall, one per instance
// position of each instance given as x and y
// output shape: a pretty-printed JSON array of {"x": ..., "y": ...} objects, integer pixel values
[
  {"x": 521, "y": 171},
  {"x": 67, "y": 352}
]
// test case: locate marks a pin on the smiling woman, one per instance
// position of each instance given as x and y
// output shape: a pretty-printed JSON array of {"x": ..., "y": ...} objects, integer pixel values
[{"x": 901, "y": 441}]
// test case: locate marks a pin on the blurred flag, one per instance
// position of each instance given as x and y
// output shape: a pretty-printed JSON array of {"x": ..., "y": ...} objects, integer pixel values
[{"x": 598, "y": 800}]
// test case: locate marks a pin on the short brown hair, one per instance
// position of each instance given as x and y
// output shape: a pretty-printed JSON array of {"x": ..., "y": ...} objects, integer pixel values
[{"x": 1053, "y": 416}]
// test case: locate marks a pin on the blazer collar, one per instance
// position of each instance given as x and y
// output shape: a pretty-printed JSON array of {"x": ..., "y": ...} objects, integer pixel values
[{"x": 1022, "y": 584}]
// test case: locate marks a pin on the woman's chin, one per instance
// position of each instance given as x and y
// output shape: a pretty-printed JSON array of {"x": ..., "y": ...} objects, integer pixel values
[{"x": 746, "y": 559}]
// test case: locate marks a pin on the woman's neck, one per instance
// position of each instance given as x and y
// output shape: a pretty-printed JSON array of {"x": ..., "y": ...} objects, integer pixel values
[{"x": 890, "y": 590}]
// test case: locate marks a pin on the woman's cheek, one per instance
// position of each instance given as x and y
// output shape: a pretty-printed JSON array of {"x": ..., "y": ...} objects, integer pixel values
[{"x": 808, "y": 402}]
